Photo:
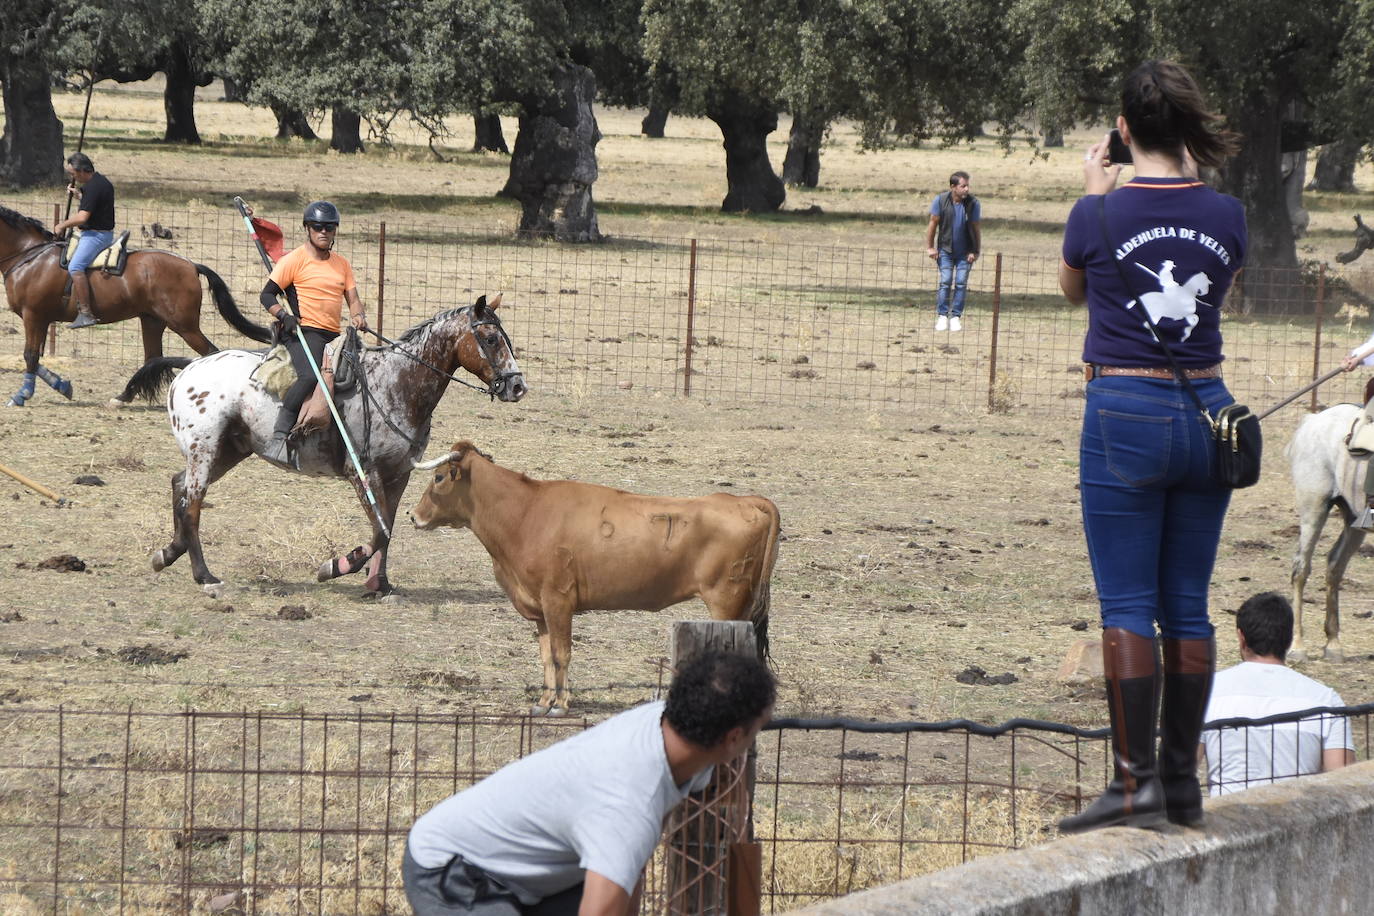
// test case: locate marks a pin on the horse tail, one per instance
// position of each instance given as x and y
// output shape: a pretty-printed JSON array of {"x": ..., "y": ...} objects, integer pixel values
[
  {"x": 758, "y": 610},
  {"x": 152, "y": 377},
  {"x": 224, "y": 301}
]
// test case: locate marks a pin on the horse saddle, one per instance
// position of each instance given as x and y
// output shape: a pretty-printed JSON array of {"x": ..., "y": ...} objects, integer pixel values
[
  {"x": 276, "y": 375},
  {"x": 111, "y": 259}
]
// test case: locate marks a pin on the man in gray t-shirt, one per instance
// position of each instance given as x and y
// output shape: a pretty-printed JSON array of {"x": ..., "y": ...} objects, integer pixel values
[{"x": 569, "y": 829}]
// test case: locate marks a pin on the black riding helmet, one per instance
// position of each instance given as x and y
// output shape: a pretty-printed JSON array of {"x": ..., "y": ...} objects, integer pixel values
[{"x": 321, "y": 211}]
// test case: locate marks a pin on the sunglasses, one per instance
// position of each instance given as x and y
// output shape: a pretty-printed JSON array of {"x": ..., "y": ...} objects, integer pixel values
[{"x": 323, "y": 227}]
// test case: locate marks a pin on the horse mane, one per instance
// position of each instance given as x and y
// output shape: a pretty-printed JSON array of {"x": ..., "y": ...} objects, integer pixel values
[{"x": 21, "y": 222}]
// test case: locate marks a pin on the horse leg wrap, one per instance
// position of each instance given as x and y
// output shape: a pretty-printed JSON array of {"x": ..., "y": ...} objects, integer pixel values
[
  {"x": 342, "y": 566},
  {"x": 25, "y": 391},
  {"x": 56, "y": 382}
]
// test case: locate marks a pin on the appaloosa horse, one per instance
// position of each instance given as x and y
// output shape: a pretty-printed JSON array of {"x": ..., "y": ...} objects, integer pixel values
[
  {"x": 161, "y": 288},
  {"x": 221, "y": 413}
]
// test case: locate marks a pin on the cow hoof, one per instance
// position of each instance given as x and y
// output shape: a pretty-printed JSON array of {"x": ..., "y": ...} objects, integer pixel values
[
  {"x": 159, "y": 563},
  {"x": 1297, "y": 656},
  {"x": 538, "y": 710},
  {"x": 1334, "y": 654},
  {"x": 557, "y": 712},
  {"x": 216, "y": 590}
]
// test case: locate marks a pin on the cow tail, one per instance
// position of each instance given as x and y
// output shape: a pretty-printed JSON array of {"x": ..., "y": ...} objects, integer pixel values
[
  {"x": 229, "y": 309},
  {"x": 758, "y": 611}
]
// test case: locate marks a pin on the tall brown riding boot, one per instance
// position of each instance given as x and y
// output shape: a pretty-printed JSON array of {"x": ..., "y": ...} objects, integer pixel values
[
  {"x": 81, "y": 292},
  {"x": 1135, "y": 797},
  {"x": 1188, "y": 668}
]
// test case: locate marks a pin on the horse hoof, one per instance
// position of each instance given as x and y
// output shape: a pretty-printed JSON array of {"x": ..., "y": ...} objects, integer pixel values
[
  {"x": 558, "y": 712},
  {"x": 1297, "y": 655},
  {"x": 537, "y": 710},
  {"x": 114, "y": 403},
  {"x": 64, "y": 388},
  {"x": 15, "y": 401},
  {"x": 1334, "y": 654},
  {"x": 214, "y": 590},
  {"x": 159, "y": 564}
]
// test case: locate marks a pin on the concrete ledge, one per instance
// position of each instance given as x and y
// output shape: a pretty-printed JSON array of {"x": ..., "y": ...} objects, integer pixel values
[{"x": 1301, "y": 847}]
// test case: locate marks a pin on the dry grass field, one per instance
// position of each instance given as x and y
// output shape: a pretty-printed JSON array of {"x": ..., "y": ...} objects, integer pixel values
[{"x": 916, "y": 543}]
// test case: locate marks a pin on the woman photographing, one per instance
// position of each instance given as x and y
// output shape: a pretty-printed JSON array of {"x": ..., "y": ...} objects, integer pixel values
[{"x": 1163, "y": 247}]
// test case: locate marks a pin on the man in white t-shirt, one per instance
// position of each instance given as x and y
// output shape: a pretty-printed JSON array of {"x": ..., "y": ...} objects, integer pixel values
[
  {"x": 1239, "y": 757},
  {"x": 570, "y": 828}
]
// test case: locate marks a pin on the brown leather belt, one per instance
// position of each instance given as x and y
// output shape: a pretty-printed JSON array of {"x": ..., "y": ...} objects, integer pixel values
[{"x": 1093, "y": 370}]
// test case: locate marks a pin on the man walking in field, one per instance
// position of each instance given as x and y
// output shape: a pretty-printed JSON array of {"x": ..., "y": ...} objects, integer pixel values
[
  {"x": 569, "y": 829},
  {"x": 953, "y": 241}
]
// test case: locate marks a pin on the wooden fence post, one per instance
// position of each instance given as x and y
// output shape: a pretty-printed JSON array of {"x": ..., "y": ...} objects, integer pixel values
[
  {"x": 691, "y": 320},
  {"x": 381, "y": 275},
  {"x": 996, "y": 322},
  {"x": 713, "y": 864},
  {"x": 1317, "y": 334}
]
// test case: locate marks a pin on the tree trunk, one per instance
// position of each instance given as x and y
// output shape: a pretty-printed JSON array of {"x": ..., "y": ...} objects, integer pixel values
[
  {"x": 487, "y": 136},
  {"x": 1051, "y": 137},
  {"x": 292, "y": 122},
  {"x": 179, "y": 97},
  {"x": 652, "y": 124},
  {"x": 745, "y": 124},
  {"x": 1335, "y": 169},
  {"x": 554, "y": 164},
  {"x": 1255, "y": 176},
  {"x": 802, "y": 164},
  {"x": 344, "y": 135},
  {"x": 31, "y": 146},
  {"x": 233, "y": 92}
]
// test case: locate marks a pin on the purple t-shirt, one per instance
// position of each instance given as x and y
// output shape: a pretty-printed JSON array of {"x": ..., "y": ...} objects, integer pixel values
[{"x": 1180, "y": 244}]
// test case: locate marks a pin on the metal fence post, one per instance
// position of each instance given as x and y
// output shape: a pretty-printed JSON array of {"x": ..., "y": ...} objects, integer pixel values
[
  {"x": 1317, "y": 333},
  {"x": 996, "y": 320},
  {"x": 691, "y": 321},
  {"x": 381, "y": 275}
]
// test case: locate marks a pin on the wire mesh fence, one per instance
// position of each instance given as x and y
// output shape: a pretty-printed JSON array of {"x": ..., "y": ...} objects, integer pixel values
[
  {"x": 307, "y": 813},
  {"x": 766, "y": 321}
]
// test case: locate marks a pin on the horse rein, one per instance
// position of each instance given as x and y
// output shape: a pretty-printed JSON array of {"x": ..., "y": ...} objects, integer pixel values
[
  {"x": 32, "y": 251},
  {"x": 499, "y": 379}
]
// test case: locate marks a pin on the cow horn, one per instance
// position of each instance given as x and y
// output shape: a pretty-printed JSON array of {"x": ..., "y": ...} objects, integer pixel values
[{"x": 434, "y": 462}]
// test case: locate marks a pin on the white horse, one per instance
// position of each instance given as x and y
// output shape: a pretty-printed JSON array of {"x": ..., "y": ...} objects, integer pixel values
[
  {"x": 1178, "y": 301},
  {"x": 1325, "y": 474}
]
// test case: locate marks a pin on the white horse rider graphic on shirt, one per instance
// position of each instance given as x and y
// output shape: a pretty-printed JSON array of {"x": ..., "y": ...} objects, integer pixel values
[{"x": 1175, "y": 300}]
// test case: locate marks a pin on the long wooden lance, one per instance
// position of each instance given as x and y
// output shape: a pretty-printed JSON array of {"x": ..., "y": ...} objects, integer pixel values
[
  {"x": 319, "y": 377},
  {"x": 85, "y": 115}
]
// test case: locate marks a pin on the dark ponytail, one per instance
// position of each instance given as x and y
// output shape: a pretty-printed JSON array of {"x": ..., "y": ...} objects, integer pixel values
[{"x": 1164, "y": 110}]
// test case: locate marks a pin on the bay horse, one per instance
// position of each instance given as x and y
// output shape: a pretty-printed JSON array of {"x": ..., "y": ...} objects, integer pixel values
[
  {"x": 221, "y": 414},
  {"x": 1325, "y": 476},
  {"x": 160, "y": 288}
]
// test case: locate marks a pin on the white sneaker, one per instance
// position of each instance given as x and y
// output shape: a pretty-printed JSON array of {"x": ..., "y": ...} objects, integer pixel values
[
  {"x": 955, "y": 324},
  {"x": 942, "y": 323}
]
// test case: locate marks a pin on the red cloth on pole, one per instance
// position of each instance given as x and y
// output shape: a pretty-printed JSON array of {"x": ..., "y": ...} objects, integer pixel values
[{"x": 271, "y": 236}]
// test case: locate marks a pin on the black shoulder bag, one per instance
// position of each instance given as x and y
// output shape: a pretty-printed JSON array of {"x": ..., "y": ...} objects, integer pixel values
[{"x": 1235, "y": 429}]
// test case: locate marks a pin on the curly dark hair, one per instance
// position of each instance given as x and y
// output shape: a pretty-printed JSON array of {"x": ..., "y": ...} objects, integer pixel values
[
  {"x": 715, "y": 692},
  {"x": 1266, "y": 622}
]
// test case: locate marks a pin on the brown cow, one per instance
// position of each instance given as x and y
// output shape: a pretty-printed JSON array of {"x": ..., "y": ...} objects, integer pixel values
[{"x": 559, "y": 547}]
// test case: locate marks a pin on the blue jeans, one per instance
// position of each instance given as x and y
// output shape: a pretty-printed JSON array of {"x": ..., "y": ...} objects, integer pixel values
[
  {"x": 1151, "y": 512},
  {"x": 90, "y": 245},
  {"x": 955, "y": 269}
]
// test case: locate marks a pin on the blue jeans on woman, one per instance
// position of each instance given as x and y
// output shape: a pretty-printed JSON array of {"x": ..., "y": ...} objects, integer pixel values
[
  {"x": 91, "y": 243},
  {"x": 952, "y": 269},
  {"x": 1151, "y": 512}
]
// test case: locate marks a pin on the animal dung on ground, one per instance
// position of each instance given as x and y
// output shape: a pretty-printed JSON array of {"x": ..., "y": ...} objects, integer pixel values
[
  {"x": 978, "y": 677},
  {"x": 150, "y": 655},
  {"x": 89, "y": 480},
  {"x": 63, "y": 562},
  {"x": 293, "y": 612}
]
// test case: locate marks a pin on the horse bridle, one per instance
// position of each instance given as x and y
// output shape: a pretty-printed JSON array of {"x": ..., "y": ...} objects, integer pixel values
[{"x": 489, "y": 352}]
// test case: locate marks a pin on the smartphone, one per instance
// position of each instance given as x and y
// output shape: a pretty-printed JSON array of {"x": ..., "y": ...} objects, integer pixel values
[{"x": 1118, "y": 152}]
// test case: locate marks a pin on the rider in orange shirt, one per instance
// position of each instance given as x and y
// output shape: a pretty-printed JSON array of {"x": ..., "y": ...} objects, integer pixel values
[{"x": 322, "y": 281}]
